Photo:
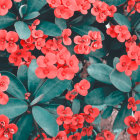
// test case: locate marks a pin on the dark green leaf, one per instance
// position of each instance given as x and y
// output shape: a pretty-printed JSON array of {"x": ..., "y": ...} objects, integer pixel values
[
  {"x": 120, "y": 81},
  {"x": 22, "y": 29},
  {"x": 115, "y": 98},
  {"x": 115, "y": 2},
  {"x": 97, "y": 96},
  {"x": 136, "y": 75},
  {"x": 61, "y": 23},
  {"x": 122, "y": 20},
  {"x": 137, "y": 97},
  {"x": 31, "y": 15},
  {"x": 33, "y": 80},
  {"x": 122, "y": 114},
  {"x": 35, "y": 5},
  {"x": 115, "y": 61},
  {"x": 137, "y": 88},
  {"x": 22, "y": 74},
  {"x": 83, "y": 30},
  {"x": 45, "y": 120},
  {"x": 76, "y": 106},
  {"x": 107, "y": 112},
  {"x": 49, "y": 28},
  {"x": 98, "y": 53},
  {"x": 13, "y": 108},
  {"x": 15, "y": 88},
  {"x": 36, "y": 100},
  {"x": 24, "y": 127},
  {"x": 100, "y": 72},
  {"x": 52, "y": 88},
  {"x": 7, "y": 20}
]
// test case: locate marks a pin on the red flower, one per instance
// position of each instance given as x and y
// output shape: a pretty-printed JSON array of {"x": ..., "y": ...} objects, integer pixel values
[
  {"x": 71, "y": 4},
  {"x": 37, "y": 33},
  {"x": 77, "y": 119},
  {"x": 61, "y": 136},
  {"x": 87, "y": 131},
  {"x": 82, "y": 87},
  {"x": 65, "y": 35},
  {"x": 108, "y": 135},
  {"x": 110, "y": 31},
  {"x": 5, "y": 5},
  {"x": 50, "y": 72},
  {"x": 4, "y": 82},
  {"x": 12, "y": 38},
  {"x": 4, "y": 121},
  {"x": 62, "y": 111},
  {"x": 39, "y": 43},
  {"x": 131, "y": 42},
  {"x": 71, "y": 95},
  {"x": 95, "y": 35},
  {"x": 88, "y": 118},
  {"x": 3, "y": 98},
  {"x": 76, "y": 136},
  {"x": 84, "y": 40},
  {"x": 17, "y": 0},
  {"x": 94, "y": 112},
  {"x": 137, "y": 117},
  {"x": 65, "y": 119},
  {"x": 133, "y": 52},
  {"x": 96, "y": 45},
  {"x": 3, "y": 44},
  {"x": 132, "y": 103},
  {"x": 133, "y": 126},
  {"x": 54, "y": 3}
]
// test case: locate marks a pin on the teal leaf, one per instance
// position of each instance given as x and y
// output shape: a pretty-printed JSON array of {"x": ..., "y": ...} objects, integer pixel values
[
  {"x": 23, "y": 10},
  {"x": 31, "y": 15},
  {"x": 7, "y": 20},
  {"x": 100, "y": 72},
  {"x": 35, "y": 5},
  {"x": 137, "y": 88},
  {"x": 120, "y": 81},
  {"x": 33, "y": 80},
  {"x": 49, "y": 28},
  {"x": 76, "y": 106},
  {"x": 107, "y": 112},
  {"x": 15, "y": 88},
  {"x": 45, "y": 120},
  {"x": 13, "y": 108},
  {"x": 52, "y": 88},
  {"x": 115, "y": 2},
  {"x": 24, "y": 127},
  {"x": 22, "y": 29},
  {"x": 61, "y": 23}
]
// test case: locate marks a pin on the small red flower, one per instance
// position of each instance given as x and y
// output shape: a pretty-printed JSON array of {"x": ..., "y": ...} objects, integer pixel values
[
  {"x": 4, "y": 82},
  {"x": 54, "y": 3},
  {"x": 108, "y": 135},
  {"x": 76, "y": 136},
  {"x": 110, "y": 31},
  {"x": 5, "y": 5},
  {"x": 82, "y": 87},
  {"x": 132, "y": 103},
  {"x": 3, "y": 43},
  {"x": 95, "y": 35},
  {"x": 37, "y": 33},
  {"x": 3, "y": 98},
  {"x": 71, "y": 95},
  {"x": 94, "y": 112},
  {"x": 65, "y": 35},
  {"x": 61, "y": 136},
  {"x": 62, "y": 111}
]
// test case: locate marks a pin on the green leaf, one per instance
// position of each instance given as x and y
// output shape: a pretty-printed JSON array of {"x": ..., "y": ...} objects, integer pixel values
[
  {"x": 100, "y": 72},
  {"x": 7, "y": 20},
  {"x": 49, "y": 28},
  {"x": 45, "y": 120},
  {"x": 36, "y": 100},
  {"x": 24, "y": 127},
  {"x": 120, "y": 81},
  {"x": 115, "y": 2},
  {"x": 22, "y": 29},
  {"x": 33, "y": 80},
  {"x": 23, "y": 10},
  {"x": 61, "y": 23},
  {"x": 122, "y": 114},
  {"x": 115, "y": 98},
  {"x": 76, "y": 106},
  {"x": 31, "y": 15},
  {"x": 122, "y": 20},
  {"x": 52, "y": 88},
  {"x": 35, "y": 5},
  {"x": 98, "y": 53},
  {"x": 97, "y": 96},
  {"x": 137, "y": 97},
  {"x": 15, "y": 88},
  {"x": 137, "y": 88},
  {"x": 13, "y": 108},
  {"x": 107, "y": 112},
  {"x": 136, "y": 75},
  {"x": 22, "y": 74},
  {"x": 84, "y": 29},
  {"x": 116, "y": 60}
]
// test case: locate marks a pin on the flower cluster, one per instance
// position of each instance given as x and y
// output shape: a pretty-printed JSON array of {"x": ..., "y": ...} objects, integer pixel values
[
  {"x": 56, "y": 62},
  {"x": 81, "y": 88},
  {"x": 129, "y": 62},
  {"x": 6, "y": 130},
  {"x": 105, "y": 135},
  {"x": 133, "y": 6},
  {"x": 133, "y": 123},
  {"x": 4, "y": 82},
  {"x": 88, "y": 43},
  {"x": 132, "y": 103},
  {"x": 71, "y": 122},
  {"x": 102, "y": 10}
]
